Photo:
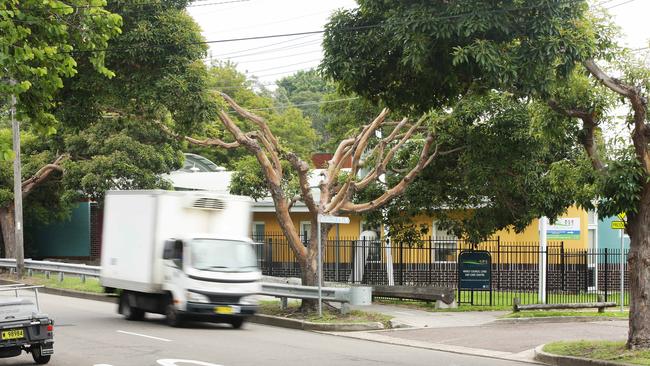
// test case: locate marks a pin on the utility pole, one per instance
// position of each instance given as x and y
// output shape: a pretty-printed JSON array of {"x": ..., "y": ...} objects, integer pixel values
[{"x": 18, "y": 190}]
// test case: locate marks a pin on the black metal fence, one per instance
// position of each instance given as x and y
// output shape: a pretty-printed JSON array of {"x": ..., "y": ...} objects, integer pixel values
[{"x": 571, "y": 275}]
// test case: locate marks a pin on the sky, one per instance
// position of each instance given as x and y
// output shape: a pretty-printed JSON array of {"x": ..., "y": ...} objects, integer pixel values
[{"x": 274, "y": 58}]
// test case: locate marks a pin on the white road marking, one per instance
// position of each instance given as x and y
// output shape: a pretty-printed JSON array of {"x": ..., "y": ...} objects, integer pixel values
[
  {"x": 144, "y": 335},
  {"x": 172, "y": 362},
  {"x": 102, "y": 364}
]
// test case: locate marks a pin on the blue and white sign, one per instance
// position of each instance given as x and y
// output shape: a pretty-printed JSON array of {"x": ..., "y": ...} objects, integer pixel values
[{"x": 564, "y": 229}]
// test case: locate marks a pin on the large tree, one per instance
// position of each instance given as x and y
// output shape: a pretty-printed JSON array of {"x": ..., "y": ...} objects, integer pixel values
[
  {"x": 40, "y": 43},
  {"x": 337, "y": 187},
  {"x": 107, "y": 132},
  {"x": 429, "y": 54}
]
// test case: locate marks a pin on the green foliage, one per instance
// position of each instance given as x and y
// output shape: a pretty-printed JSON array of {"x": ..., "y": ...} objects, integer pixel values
[
  {"x": 109, "y": 127},
  {"x": 118, "y": 153},
  {"x": 40, "y": 44},
  {"x": 248, "y": 179},
  {"x": 305, "y": 90},
  {"x": 424, "y": 54},
  {"x": 506, "y": 173}
]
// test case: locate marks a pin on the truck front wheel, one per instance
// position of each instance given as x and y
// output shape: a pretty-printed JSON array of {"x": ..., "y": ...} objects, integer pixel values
[
  {"x": 173, "y": 317},
  {"x": 129, "y": 312},
  {"x": 237, "y": 322}
]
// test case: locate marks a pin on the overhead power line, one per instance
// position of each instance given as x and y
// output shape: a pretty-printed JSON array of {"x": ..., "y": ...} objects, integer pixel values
[
  {"x": 266, "y": 46},
  {"x": 617, "y": 5}
]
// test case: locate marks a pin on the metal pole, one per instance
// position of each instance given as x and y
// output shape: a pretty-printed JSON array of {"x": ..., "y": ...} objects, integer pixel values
[
  {"x": 621, "y": 270},
  {"x": 336, "y": 268},
  {"x": 320, "y": 274},
  {"x": 18, "y": 191},
  {"x": 541, "y": 294}
]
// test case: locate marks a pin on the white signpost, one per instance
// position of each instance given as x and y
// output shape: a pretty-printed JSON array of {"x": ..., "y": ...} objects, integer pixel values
[{"x": 327, "y": 219}]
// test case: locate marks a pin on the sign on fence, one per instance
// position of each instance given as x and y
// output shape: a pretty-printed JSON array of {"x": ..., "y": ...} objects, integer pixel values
[
  {"x": 564, "y": 229},
  {"x": 474, "y": 270}
]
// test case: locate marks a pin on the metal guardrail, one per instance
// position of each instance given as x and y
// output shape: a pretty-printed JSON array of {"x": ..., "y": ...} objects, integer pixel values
[
  {"x": 337, "y": 294},
  {"x": 344, "y": 295},
  {"x": 56, "y": 267}
]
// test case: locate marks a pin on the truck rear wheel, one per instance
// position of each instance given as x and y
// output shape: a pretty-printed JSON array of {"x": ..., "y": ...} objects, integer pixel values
[
  {"x": 38, "y": 357},
  {"x": 129, "y": 312}
]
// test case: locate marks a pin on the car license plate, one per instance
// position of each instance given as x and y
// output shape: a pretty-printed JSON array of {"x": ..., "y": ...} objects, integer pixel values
[
  {"x": 223, "y": 310},
  {"x": 13, "y": 334}
]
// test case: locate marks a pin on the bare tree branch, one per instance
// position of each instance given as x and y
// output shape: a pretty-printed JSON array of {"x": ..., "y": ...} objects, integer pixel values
[
  {"x": 42, "y": 175},
  {"x": 588, "y": 127},
  {"x": 302, "y": 169},
  {"x": 205, "y": 142},
  {"x": 639, "y": 106},
  {"x": 425, "y": 159}
]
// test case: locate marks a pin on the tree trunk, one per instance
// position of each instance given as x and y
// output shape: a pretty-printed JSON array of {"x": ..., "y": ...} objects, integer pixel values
[
  {"x": 639, "y": 276},
  {"x": 310, "y": 265},
  {"x": 8, "y": 228}
]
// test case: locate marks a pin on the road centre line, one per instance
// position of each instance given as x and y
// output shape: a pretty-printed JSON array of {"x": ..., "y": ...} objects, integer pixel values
[{"x": 144, "y": 335}]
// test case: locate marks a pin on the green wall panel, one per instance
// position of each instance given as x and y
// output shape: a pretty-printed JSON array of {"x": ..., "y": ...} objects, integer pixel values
[{"x": 68, "y": 238}]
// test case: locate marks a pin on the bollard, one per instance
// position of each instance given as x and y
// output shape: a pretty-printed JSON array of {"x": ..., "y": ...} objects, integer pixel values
[{"x": 601, "y": 298}]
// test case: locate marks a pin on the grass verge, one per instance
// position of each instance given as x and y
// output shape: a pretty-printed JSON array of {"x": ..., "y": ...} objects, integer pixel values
[
  {"x": 600, "y": 350},
  {"x": 69, "y": 283},
  {"x": 551, "y": 313},
  {"x": 329, "y": 315}
]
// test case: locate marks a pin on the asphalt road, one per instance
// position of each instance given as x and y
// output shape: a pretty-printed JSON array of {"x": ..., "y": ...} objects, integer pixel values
[{"x": 91, "y": 333}]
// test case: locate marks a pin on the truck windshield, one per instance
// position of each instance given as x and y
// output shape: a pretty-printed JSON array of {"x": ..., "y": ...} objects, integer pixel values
[{"x": 222, "y": 255}]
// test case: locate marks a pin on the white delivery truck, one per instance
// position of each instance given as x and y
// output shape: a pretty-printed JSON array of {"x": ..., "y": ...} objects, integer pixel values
[{"x": 184, "y": 254}]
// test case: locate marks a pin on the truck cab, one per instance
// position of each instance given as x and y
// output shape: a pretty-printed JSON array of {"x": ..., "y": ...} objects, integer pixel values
[{"x": 210, "y": 278}]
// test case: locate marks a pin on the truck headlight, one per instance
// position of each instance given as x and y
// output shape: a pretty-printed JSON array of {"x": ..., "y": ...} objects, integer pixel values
[
  {"x": 196, "y": 297},
  {"x": 249, "y": 300}
]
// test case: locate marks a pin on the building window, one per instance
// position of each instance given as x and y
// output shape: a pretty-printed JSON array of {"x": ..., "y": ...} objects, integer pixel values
[
  {"x": 258, "y": 231},
  {"x": 444, "y": 245},
  {"x": 305, "y": 231}
]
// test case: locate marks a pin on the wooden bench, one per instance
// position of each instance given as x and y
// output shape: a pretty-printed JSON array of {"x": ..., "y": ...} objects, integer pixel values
[
  {"x": 600, "y": 304},
  {"x": 443, "y": 294}
]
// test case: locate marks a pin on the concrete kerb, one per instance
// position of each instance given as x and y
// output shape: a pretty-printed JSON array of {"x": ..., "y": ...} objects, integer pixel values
[
  {"x": 558, "y": 319},
  {"x": 559, "y": 360},
  {"x": 311, "y": 326},
  {"x": 70, "y": 293}
]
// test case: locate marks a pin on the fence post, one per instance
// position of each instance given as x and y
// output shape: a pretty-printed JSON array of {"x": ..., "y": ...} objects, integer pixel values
[
  {"x": 546, "y": 275},
  {"x": 269, "y": 259},
  {"x": 430, "y": 259},
  {"x": 353, "y": 259},
  {"x": 498, "y": 262},
  {"x": 336, "y": 256},
  {"x": 562, "y": 264},
  {"x": 60, "y": 276},
  {"x": 586, "y": 258},
  {"x": 606, "y": 275},
  {"x": 401, "y": 263}
]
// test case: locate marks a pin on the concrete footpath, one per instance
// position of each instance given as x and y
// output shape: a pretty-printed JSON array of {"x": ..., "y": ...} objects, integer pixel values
[{"x": 480, "y": 334}]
